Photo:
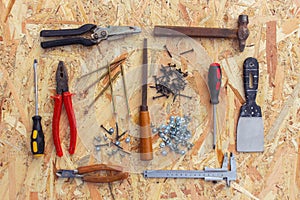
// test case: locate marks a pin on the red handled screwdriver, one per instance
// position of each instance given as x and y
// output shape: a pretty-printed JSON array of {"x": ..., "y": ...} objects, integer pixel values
[
  {"x": 37, "y": 136},
  {"x": 214, "y": 84}
]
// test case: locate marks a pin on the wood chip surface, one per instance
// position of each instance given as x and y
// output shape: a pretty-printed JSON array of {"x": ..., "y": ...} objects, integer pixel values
[{"x": 274, "y": 40}]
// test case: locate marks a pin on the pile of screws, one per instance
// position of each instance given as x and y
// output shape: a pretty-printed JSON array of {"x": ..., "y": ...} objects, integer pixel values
[
  {"x": 175, "y": 135},
  {"x": 171, "y": 82}
]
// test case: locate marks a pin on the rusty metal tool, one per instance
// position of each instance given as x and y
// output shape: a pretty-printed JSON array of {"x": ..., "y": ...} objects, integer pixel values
[
  {"x": 92, "y": 173},
  {"x": 146, "y": 151},
  {"x": 241, "y": 33},
  {"x": 208, "y": 174}
]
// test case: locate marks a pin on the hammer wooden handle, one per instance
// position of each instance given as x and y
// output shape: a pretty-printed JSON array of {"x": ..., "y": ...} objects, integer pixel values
[
  {"x": 146, "y": 152},
  {"x": 241, "y": 33}
]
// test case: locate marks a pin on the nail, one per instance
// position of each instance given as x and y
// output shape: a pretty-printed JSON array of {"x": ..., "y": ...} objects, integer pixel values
[
  {"x": 188, "y": 51},
  {"x": 165, "y": 46},
  {"x": 163, "y": 95},
  {"x": 110, "y": 131},
  {"x": 122, "y": 134}
]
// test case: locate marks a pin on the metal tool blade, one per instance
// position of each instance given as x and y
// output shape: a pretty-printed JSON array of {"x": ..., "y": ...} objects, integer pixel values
[
  {"x": 250, "y": 134},
  {"x": 117, "y": 32}
]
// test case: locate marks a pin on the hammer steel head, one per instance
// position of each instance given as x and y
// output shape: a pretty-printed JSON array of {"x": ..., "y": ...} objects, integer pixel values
[{"x": 243, "y": 31}]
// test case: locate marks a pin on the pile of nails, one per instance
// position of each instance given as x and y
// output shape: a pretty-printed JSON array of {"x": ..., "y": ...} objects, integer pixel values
[
  {"x": 175, "y": 135},
  {"x": 171, "y": 82}
]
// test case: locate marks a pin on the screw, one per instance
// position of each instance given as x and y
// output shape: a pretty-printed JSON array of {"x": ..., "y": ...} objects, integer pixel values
[
  {"x": 127, "y": 140},
  {"x": 114, "y": 151},
  {"x": 105, "y": 137},
  {"x": 154, "y": 130},
  {"x": 164, "y": 153},
  {"x": 188, "y": 51},
  {"x": 165, "y": 46},
  {"x": 97, "y": 138},
  {"x": 98, "y": 148},
  {"x": 172, "y": 118},
  {"x": 162, "y": 127},
  {"x": 182, "y": 152},
  {"x": 161, "y": 134},
  {"x": 162, "y": 145}
]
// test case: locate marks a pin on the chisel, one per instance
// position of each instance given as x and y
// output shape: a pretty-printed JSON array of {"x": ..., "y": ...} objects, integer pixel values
[{"x": 146, "y": 152}]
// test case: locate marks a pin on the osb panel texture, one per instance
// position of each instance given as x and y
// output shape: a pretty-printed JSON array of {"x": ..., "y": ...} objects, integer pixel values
[{"x": 273, "y": 174}]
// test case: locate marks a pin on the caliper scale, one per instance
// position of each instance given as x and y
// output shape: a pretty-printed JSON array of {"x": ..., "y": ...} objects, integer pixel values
[{"x": 208, "y": 174}]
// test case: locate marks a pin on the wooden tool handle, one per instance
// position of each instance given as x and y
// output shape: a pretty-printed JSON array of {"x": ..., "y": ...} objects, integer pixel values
[
  {"x": 146, "y": 152},
  {"x": 106, "y": 179},
  {"x": 99, "y": 167}
]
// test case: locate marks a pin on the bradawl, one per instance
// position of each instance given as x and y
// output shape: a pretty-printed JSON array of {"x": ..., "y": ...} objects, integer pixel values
[{"x": 208, "y": 174}]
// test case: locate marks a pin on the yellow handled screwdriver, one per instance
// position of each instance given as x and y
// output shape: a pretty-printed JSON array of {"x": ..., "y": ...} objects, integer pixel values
[{"x": 37, "y": 136}]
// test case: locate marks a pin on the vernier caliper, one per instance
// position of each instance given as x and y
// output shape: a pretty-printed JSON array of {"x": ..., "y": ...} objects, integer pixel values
[{"x": 208, "y": 174}]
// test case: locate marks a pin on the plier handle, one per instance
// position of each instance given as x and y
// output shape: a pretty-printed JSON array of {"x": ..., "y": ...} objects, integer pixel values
[
  {"x": 63, "y": 96},
  {"x": 97, "y": 35},
  {"x": 92, "y": 173}
]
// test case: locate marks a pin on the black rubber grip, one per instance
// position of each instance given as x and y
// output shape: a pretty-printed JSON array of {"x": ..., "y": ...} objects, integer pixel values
[
  {"x": 214, "y": 82},
  {"x": 251, "y": 74},
  {"x": 68, "y": 32},
  {"x": 37, "y": 137},
  {"x": 67, "y": 41}
]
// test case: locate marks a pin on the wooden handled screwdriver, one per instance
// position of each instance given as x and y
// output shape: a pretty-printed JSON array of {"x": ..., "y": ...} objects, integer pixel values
[
  {"x": 37, "y": 136},
  {"x": 146, "y": 152},
  {"x": 214, "y": 84}
]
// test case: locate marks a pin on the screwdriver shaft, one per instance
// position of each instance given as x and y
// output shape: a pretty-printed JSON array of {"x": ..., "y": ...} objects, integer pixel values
[
  {"x": 215, "y": 124},
  {"x": 35, "y": 87}
]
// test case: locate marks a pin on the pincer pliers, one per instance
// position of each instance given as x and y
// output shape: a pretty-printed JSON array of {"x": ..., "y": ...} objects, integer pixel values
[
  {"x": 63, "y": 96},
  {"x": 94, "y": 173},
  {"x": 97, "y": 35}
]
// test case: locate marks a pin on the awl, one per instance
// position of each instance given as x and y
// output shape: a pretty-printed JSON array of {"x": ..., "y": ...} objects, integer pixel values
[{"x": 250, "y": 128}]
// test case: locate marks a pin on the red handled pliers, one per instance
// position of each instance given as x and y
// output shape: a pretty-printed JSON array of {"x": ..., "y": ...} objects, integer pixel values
[{"x": 63, "y": 96}]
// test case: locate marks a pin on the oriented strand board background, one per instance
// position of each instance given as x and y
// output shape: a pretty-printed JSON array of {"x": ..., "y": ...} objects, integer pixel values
[{"x": 274, "y": 174}]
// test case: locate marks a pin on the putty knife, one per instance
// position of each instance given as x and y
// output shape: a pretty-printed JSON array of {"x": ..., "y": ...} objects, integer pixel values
[{"x": 250, "y": 128}]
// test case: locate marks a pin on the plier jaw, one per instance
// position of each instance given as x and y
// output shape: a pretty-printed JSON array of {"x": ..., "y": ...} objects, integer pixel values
[
  {"x": 61, "y": 78},
  {"x": 64, "y": 173},
  {"x": 113, "y": 32}
]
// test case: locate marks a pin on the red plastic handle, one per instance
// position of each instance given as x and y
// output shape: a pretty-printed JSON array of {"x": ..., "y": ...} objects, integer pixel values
[
  {"x": 72, "y": 121},
  {"x": 55, "y": 123}
]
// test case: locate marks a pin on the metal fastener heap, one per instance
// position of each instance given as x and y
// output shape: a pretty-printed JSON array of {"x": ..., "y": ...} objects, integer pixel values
[
  {"x": 175, "y": 135},
  {"x": 171, "y": 82}
]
